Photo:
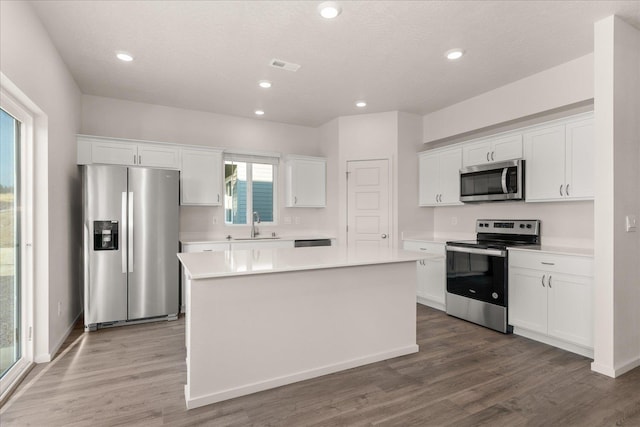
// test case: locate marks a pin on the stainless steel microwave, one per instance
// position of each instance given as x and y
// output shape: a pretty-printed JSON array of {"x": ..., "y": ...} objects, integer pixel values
[{"x": 492, "y": 182}]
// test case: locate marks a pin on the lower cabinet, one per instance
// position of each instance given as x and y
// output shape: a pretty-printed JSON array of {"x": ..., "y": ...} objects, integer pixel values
[
  {"x": 432, "y": 275},
  {"x": 551, "y": 299}
]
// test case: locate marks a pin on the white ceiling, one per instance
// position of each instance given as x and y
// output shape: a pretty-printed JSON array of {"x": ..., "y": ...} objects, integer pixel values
[{"x": 210, "y": 55}]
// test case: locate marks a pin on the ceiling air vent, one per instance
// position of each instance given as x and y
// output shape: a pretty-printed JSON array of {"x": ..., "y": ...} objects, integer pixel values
[{"x": 284, "y": 65}]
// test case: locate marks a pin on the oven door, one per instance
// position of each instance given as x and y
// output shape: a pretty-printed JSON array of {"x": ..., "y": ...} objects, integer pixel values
[{"x": 479, "y": 274}]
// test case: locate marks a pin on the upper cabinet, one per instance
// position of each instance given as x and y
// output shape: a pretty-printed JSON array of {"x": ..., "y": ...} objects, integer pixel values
[
  {"x": 439, "y": 180},
  {"x": 201, "y": 177},
  {"x": 306, "y": 179},
  {"x": 127, "y": 153},
  {"x": 498, "y": 149},
  {"x": 560, "y": 161}
]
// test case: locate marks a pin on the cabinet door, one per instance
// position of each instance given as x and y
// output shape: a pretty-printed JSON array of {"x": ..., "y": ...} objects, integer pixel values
[
  {"x": 545, "y": 164},
  {"x": 580, "y": 154},
  {"x": 528, "y": 299},
  {"x": 476, "y": 153},
  {"x": 201, "y": 178},
  {"x": 428, "y": 171},
  {"x": 308, "y": 183},
  {"x": 158, "y": 156},
  {"x": 570, "y": 308},
  {"x": 449, "y": 177},
  {"x": 506, "y": 148},
  {"x": 434, "y": 282},
  {"x": 114, "y": 153}
]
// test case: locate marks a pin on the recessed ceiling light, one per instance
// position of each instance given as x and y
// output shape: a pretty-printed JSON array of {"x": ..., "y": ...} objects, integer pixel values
[
  {"x": 124, "y": 56},
  {"x": 329, "y": 9},
  {"x": 361, "y": 104},
  {"x": 266, "y": 84},
  {"x": 259, "y": 113},
  {"x": 453, "y": 54}
]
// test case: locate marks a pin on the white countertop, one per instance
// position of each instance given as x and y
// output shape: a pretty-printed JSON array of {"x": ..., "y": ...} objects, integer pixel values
[
  {"x": 559, "y": 250},
  {"x": 193, "y": 238},
  {"x": 202, "y": 265}
]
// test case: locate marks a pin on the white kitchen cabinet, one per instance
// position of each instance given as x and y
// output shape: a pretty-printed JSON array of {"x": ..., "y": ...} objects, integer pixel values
[
  {"x": 496, "y": 149},
  {"x": 306, "y": 179},
  {"x": 560, "y": 161},
  {"x": 432, "y": 274},
  {"x": 551, "y": 299},
  {"x": 201, "y": 177},
  {"x": 439, "y": 177},
  {"x": 113, "y": 151}
]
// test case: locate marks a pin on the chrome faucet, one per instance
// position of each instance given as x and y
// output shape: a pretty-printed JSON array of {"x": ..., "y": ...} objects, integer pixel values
[{"x": 254, "y": 230}]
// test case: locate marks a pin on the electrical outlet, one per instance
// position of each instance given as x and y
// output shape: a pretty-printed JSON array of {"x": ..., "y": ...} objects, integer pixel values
[
  {"x": 631, "y": 223},
  {"x": 454, "y": 220},
  {"x": 297, "y": 220},
  {"x": 215, "y": 220},
  {"x": 287, "y": 220}
]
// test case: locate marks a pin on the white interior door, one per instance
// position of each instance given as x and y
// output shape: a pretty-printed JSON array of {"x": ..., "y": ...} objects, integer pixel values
[{"x": 368, "y": 203}]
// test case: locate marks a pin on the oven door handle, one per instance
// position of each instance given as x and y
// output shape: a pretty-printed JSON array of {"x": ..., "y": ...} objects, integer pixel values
[{"x": 477, "y": 251}]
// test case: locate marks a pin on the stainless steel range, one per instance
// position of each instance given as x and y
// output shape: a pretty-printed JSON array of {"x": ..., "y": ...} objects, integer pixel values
[{"x": 477, "y": 279}]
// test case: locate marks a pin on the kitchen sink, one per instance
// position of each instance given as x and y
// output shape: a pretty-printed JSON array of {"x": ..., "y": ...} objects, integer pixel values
[{"x": 256, "y": 238}]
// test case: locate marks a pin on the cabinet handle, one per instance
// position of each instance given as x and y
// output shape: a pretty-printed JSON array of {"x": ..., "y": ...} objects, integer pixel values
[
  {"x": 295, "y": 200},
  {"x": 543, "y": 276},
  {"x": 488, "y": 156},
  {"x": 547, "y": 263},
  {"x": 492, "y": 153},
  {"x": 218, "y": 197},
  {"x": 139, "y": 159},
  {"x": 207, "y": 250},
  {"x": 549, "y": 281},
  {"x": 134, "y": 159},
  {"x": 561, "y": 190},
  {"x": 566, "y": 189}
]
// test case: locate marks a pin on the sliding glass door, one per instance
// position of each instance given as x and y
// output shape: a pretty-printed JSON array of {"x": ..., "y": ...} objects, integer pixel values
[{"x": 10, "y": 283}]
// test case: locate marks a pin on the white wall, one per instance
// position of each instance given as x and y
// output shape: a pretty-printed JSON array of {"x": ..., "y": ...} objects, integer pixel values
[
  {"x": 617, "y": 252},
  {"x": 411, "y": 218},
  {"x": 125, "y": 119},
  {"x": 31, "y": 62},
  {"x": 558, "y": 87},
  {"x": 568, "y": 224}
]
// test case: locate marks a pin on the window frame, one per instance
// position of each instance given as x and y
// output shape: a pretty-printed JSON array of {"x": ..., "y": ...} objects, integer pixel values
[{"x": 250, "y": 160}]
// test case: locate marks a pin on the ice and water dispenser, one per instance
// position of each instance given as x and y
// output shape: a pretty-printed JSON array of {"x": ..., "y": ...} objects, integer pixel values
[{"x": 105, "y": 235}]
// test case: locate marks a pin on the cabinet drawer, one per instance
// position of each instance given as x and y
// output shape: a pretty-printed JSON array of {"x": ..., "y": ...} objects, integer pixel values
[
  {"x": 552, "y": 263},
  {"x": 428, "y": 247},
  {"x": 204, "y": 247}
]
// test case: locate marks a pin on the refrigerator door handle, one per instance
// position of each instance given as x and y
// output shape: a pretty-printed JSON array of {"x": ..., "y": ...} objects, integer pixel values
[
  {"x": 123, "y": 251},
  {"x": 130, "y": 232}
]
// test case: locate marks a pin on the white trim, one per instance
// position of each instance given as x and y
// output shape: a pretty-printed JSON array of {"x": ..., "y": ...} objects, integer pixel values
[
  {"x": 10, "y": 97},
  {"x": 573, "y": 348}
]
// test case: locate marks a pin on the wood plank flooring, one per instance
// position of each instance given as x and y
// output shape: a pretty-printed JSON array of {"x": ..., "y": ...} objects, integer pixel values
[{"x": 464, "y": 375}]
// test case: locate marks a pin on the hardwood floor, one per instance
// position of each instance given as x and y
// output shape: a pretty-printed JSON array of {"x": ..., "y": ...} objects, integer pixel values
[{"x": 464, "y": 375}]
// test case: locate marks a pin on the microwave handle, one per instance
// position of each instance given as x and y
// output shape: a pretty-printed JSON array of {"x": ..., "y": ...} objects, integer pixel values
[{"x": 505, "y": 190}]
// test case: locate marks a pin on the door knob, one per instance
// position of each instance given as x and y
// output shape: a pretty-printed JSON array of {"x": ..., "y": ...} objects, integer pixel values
[{"x": 384, "y": 236}]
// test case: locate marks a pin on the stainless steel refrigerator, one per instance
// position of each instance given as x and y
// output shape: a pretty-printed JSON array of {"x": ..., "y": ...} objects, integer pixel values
[{"x": 131, "y": 226}]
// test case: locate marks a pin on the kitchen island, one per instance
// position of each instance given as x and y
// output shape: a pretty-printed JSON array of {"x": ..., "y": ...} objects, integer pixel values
[{"x": 262, "y": 318}]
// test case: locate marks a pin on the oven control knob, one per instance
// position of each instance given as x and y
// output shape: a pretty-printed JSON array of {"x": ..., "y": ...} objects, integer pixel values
[
  {"x": 521, "y": 225},
  {"x": 494, "y": 295},
  {"x": 528, "y": 225},
  {"x": 481, "y": 225}
]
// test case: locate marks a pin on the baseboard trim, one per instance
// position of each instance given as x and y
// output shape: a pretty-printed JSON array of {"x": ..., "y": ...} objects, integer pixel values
[
  {"x": 430, "y": 303},
  {"x": 48, "y": 357},
  {"x": 574, "y": 348},
  {"x": 196, "y": 402}
]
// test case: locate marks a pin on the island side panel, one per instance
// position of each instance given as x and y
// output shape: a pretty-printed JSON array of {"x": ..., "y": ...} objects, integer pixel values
[{"x": 249, "y": 333}]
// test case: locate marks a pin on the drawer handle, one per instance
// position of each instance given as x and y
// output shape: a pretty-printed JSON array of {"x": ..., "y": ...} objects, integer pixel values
[
  {"x": 423, "y": 249},
  {"x": 549, "y": 281},
  {"x": 207, "y": 250},
  {"x": 543, "y": 276},
  {"x": 547, "y": 263}
]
